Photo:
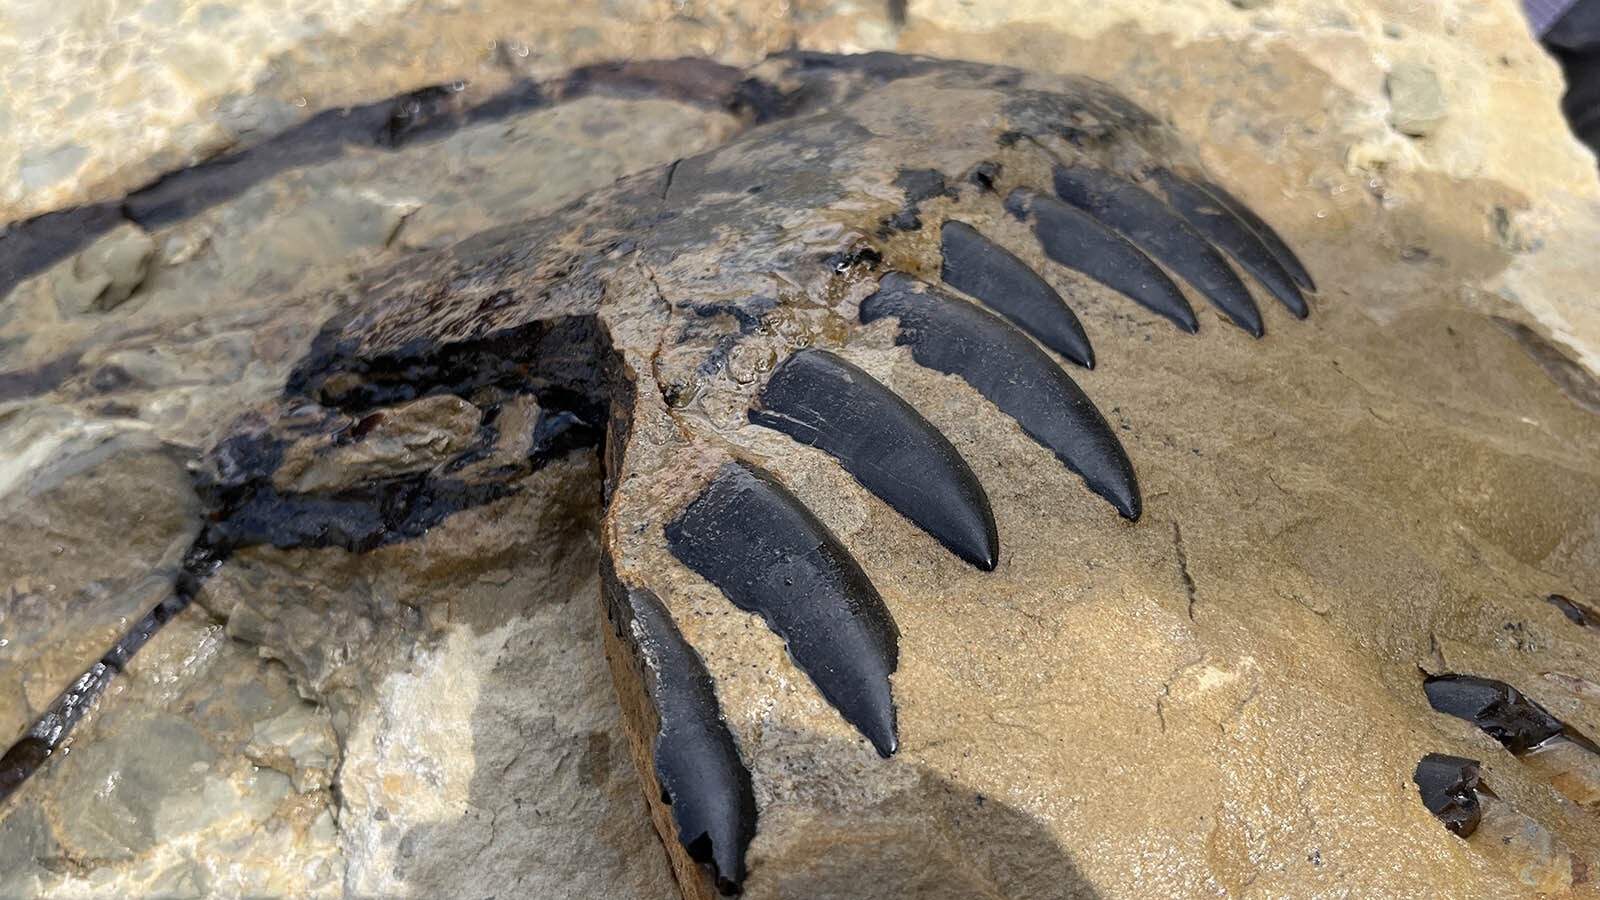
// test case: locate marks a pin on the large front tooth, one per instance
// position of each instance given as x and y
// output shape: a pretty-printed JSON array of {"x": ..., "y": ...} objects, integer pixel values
[
  {"x": 819, "y": 399},
  {"x": 1078, "y": 241},
  {"x": 977, "y": 266},
  {"x": 1224, "y": 228},
  {"x": 768, "y": 554},
  {"x": 1157, "y": 229},
  {"x": 696, "y": 761},
  {"x": 956, "y": 337}
]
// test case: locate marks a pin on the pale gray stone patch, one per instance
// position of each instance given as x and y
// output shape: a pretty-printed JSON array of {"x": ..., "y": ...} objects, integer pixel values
[
  {"x": 42, "y": 168},
  {"x": 107, "y": 272},
  {"x": 1416, "y": 101}
]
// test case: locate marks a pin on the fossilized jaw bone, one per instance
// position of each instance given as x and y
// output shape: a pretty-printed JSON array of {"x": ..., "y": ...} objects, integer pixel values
[{"x": 707, "y": 511}]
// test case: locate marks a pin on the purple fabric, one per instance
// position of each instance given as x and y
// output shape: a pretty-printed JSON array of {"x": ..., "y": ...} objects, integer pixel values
[{"x": 1544, "y": 13}]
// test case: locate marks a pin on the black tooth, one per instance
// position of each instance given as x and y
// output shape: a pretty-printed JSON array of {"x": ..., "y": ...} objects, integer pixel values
[
  {"x": 819, "y": 399},
  {"x": 1156, "y": 228},
  {"x": 977, "y": 266},
  {"x": 755, "y": 541},
  {"x": 1220, "y": 226},
  {"x": 1499, "y": 709},
  {"x": 1448, "y": 785},
  {"x": 956, "y": 337},
  {"x": 1078, "y": 241},
  {"x": 1268, "y": 236},
  {"x": 697, "y": 762}
]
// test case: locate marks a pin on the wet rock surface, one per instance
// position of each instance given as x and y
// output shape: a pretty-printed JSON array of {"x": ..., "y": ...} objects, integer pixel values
[{"x": 1393, "y": 484}]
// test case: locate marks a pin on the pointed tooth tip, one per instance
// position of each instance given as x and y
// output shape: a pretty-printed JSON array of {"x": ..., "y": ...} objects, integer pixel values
[
  {"x": 881, "y": 731},
  {"x": 887, "y": 745},
  {"x": 1128, "y": 505}
]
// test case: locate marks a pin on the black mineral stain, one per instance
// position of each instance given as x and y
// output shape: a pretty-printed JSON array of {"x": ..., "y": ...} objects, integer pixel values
[
  {"x": 769, "y": 555},
  {"x": 1570, "y": 376},
  {"x": 1449, "y": 790},
  {"x": 823, "y": 401}
]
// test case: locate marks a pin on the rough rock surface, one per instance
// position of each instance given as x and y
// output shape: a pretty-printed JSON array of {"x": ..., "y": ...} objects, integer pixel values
[{"x": 1395, "y": 484}]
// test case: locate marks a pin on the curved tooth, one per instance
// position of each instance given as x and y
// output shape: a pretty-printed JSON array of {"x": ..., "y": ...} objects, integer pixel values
[
  {"x": 1157, "y": 229},
  {"x": 1078, "y": 241},
  {"x": 980, "y": 268},
  {"x": 1265, "y": 232},
  {"x": 955, "y": 337},
  {"x": 1220, "y": 226},
  {"x": 769, "y": 555},
  {"x": 819, "y": 399},
  {"x": 696, "y": 761}
]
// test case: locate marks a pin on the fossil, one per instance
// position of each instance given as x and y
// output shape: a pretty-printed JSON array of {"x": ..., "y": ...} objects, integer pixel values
[{"x": 887, "y": 207}]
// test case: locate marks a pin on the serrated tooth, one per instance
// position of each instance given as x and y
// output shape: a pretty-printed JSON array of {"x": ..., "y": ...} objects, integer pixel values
[{"x": 949, "y": 335}]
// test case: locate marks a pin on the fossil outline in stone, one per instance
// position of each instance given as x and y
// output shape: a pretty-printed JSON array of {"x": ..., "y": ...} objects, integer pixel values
[{"x": 592, "y": 311}]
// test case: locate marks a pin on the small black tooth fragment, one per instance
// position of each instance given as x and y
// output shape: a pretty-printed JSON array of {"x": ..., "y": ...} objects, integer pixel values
[
  {"x": 769, "y": 555},
  {"x": 1265, "y": 232},
  {"x": 696, "y": 759},
  {"x": 977, "y": 266},
  {"x": 1577, "y": 613},
  {"x": 820, "y": 400},
  {"x": 953, "y": 336},
  {"x": 1449, "y": 787},
  {"x": 1078, "y": 241},
  {"x": 1156, "y": 228},
  {"x": 1220, "y": 226},
  {"x": 1499, "y": 709}
]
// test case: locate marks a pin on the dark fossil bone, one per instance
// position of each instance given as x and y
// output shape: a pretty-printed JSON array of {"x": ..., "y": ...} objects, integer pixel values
[{"x": 819, "y": 399}]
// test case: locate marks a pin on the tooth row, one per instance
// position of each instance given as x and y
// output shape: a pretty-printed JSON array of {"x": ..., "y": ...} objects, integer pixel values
[{"x": 759, "y": 544}]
